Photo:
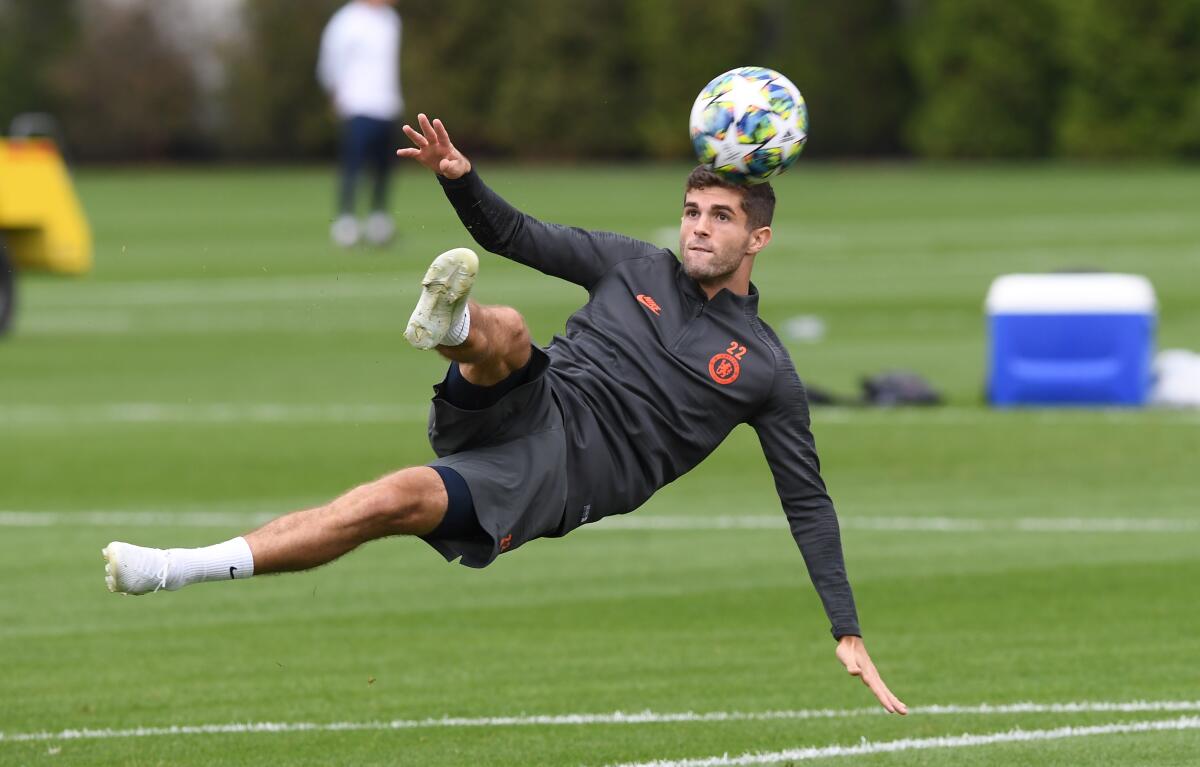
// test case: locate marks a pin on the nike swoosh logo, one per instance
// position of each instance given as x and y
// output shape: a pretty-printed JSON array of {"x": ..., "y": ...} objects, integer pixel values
[{"x": 232, "y": 570}]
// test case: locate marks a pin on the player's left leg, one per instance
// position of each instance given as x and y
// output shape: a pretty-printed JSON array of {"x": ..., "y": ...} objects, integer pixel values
[
  {"x": 497, "y": 346},
  {"x": 412, "y": 501},
  {"x": 489, "y": 343}
]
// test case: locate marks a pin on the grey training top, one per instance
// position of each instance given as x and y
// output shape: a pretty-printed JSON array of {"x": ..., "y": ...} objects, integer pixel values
[{"x": 652, "y": 376}]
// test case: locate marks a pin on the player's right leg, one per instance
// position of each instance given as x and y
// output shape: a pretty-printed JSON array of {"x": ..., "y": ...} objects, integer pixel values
[
  {"x": 491, "y": 346},
  {"x": 412, "y": 501}
]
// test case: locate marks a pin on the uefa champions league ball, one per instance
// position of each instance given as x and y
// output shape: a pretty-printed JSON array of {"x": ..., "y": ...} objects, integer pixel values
[{"x": 749, "y": 124}]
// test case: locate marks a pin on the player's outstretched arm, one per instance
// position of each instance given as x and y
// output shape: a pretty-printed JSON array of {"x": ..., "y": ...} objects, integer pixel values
[
  {"x": 570, "y": 253},
  {"x": 853, "y": 654},
  {"x": 433, "y": 149}
]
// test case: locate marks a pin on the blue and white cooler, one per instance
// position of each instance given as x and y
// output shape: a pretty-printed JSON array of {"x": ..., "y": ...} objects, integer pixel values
[{"x": 1071, "y": 339}]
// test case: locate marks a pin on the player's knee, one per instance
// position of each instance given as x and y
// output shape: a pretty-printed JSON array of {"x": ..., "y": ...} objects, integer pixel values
[
  {"x": 515, "y": 331},
  {"x": 407, "y": 502}
]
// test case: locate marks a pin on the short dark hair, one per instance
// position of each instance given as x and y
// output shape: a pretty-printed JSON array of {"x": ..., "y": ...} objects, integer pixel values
[{"x": 758, "y": 200}]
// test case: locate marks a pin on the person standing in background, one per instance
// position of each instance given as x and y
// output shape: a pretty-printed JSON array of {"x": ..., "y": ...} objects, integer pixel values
[{"x": 359, "y": 66}]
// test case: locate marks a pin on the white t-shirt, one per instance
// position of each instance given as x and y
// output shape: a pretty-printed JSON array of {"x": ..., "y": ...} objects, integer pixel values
[{"x": 359, "y": 63}]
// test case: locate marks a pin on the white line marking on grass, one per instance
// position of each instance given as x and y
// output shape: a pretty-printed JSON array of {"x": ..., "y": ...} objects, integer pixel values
[
  {"x": 779, "y": 522},
  {"x": 969, "y": 416},
  {"x": 226, "y": 290},
  {"x": 1102, "y": 525},
  {"x": 914, "y": 744},
  {"x": 1074, "y": 707},
  {"x": 281, "y": 412},
  {"x": 390, "y": 286},
  {"x": 616, "y": 717},
  {"x": 136, "y": 518},
  {"x": 907, "y": 524},
  {"x": 208, "y": 413},
  {"x": 112, "y": 324},
  {"x": 645, "y": 522},
  {"x": 198, "y": 323}
]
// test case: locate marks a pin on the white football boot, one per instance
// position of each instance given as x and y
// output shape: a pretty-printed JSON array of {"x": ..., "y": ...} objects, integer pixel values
[
  {"x": 130, "y": 569},
  {"x": 444, "y": 293}
]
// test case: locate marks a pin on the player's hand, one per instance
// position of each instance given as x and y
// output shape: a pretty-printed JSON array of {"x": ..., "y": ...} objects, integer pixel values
[
  {"x": 432, "y": 148},
  {"x": 853, "y": 654}
]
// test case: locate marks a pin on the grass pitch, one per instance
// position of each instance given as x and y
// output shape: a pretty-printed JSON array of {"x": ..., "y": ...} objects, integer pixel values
[{"x": 225, "y": 364}]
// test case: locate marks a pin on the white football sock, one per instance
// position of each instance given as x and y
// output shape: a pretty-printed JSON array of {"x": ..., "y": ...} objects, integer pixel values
[
  {"x": 230, "y": 560},
  {"x": 459, "y": 328}
]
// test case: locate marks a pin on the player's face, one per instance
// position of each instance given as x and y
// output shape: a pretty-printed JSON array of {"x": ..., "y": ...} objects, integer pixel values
[{"x": 713, "y": 236}]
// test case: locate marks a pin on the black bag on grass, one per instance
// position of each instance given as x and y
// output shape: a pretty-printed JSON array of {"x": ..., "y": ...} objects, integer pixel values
[{"x": 899, "y": 387}]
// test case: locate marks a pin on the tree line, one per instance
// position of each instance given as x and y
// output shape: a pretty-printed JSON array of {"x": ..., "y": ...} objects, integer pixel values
[{"x": 953, "y": 79}]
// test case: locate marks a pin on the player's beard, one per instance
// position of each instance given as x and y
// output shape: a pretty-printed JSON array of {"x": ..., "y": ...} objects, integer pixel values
[{"x": 717, "y": 264}]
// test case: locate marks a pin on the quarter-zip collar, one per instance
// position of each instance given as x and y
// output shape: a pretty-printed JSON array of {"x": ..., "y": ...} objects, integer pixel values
[{"x": 698, "y": 299}]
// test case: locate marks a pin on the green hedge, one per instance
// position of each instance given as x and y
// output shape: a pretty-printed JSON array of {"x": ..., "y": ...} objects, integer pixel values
[
  {"x": 34, "y": 35},
  {"x": 272, "y": 105},
  {"x": 1134, "y": 78},
  {"x": 616, "y": 78},
  {"x": 987, "y": 78}
]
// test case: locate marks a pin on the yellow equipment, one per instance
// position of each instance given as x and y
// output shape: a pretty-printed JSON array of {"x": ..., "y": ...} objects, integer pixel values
[
  {"x": 41, "y": 221},
  {"x": 40, "y": 216}
]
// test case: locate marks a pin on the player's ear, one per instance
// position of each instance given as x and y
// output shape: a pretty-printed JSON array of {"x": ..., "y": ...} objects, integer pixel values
[{"x": 759, "y": 238}]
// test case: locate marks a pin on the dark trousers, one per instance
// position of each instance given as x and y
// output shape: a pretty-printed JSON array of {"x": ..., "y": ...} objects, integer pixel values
[{"x": 366, "y": 142}]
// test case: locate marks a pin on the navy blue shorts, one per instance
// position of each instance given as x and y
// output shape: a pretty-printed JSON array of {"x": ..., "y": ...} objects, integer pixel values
[
  {"x": 505, "y": 445},
  {"x": 461, "y": 521}
]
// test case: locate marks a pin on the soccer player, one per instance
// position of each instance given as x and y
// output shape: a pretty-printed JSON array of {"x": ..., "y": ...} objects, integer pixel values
[{"x": 663, "y": 361}]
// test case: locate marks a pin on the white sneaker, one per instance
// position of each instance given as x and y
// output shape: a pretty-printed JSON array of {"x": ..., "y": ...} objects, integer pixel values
[
  {"x": 443, "y": 299},
  {"x": 130, "y": 569},
  {"x": 379, "y": 229},
  {"x": 344, "y": 231}
]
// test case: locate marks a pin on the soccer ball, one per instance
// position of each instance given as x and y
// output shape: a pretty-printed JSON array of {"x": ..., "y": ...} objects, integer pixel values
[{"x": 749, "y": 124}]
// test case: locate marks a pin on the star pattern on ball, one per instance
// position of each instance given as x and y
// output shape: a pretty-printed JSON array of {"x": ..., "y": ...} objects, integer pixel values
[
  {"x": 730, "y": 153},
  {"x": 748, "y": 93}
]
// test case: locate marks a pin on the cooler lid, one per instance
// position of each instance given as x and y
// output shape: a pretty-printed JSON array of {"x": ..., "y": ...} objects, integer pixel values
[{"x": 1086, "y": 293}]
